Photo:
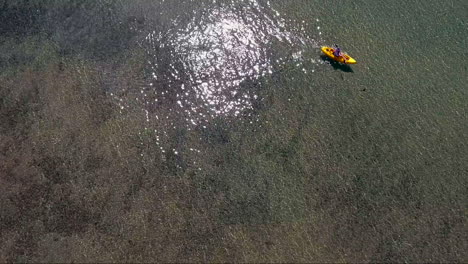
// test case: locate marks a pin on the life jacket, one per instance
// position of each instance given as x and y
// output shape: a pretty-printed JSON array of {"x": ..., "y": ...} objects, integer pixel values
[{"x": 337, "y": 52}]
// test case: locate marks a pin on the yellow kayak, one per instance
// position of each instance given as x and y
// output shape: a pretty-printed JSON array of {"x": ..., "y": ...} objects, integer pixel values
[{"x": 329, "y": 52}]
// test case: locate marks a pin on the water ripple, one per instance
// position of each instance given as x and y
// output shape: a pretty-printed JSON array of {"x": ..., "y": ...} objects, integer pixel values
[
  {"x": 208, "y": 66},
  {"x": 207, "y": 61}
]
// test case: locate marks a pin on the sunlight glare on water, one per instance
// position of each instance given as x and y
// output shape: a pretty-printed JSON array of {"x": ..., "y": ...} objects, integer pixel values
[
  {"x": 208, "y": 66},
  {"x": 214, "y": 54}
]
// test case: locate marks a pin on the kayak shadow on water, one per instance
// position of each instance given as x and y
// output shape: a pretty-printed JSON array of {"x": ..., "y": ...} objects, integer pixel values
[{"x": 337, "y": 65}]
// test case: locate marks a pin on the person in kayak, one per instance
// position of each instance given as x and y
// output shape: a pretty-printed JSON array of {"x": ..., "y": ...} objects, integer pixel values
[{"x": 337, "y": 53}]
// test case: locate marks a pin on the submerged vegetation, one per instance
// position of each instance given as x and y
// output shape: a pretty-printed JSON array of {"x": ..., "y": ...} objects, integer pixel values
[{"x": 321, "y": 175}]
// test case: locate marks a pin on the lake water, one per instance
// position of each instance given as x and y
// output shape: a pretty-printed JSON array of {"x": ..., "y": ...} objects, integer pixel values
[
  {"x": 205, "y": 58},
  {"x": 213, "y": 65},
  {"x": 217, "y": 130}
]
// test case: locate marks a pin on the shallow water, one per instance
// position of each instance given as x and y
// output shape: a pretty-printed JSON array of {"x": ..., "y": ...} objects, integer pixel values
[
  {"x": 204, "y": 118},
  {"x": 209, "y": 64},
  {"x": 210, "y": 57}
]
